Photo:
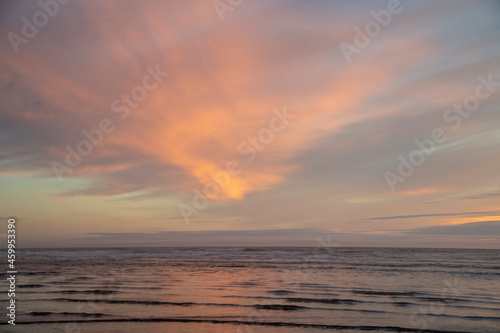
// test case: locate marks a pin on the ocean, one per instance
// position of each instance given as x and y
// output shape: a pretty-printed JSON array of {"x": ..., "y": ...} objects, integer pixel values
[{"x": 247, "y": 290}]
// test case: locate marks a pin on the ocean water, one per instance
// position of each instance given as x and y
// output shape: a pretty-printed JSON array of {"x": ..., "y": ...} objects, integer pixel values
[{"x": 246, "y": 290}]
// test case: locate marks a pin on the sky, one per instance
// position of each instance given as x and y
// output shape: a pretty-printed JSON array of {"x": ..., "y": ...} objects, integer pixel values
[{"x": 250, "y": 123}]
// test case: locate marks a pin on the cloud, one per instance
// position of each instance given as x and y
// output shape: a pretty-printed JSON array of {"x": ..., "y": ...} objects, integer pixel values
[
  {"x": 324, "y": 170},
  {"x": 490, "y": 228},
  {"x": 489, "y": 213},
  {"x": 471, "y": 237},
  {"x": 224, "y": 83},
  {"x": 484, "y": 195},
  {"x": 277, "y": 237}
]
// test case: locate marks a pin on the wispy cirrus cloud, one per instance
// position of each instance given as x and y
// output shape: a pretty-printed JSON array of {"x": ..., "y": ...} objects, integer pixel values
[
  {"x": 484, "y": 195},
  {"x": 224, "y": 83},
  {"x": 486, "y": 213},
  {"x": 490, "y": 228}
]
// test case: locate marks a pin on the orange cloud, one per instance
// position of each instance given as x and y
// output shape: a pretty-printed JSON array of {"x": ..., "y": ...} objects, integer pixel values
[{"x": 216, "y": 96}]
